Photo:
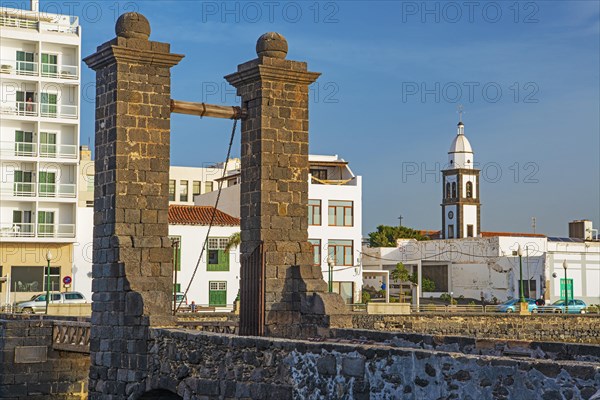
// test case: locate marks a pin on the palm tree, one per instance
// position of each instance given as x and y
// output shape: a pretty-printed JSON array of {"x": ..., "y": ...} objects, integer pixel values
[{"x": 234, "y": 241}]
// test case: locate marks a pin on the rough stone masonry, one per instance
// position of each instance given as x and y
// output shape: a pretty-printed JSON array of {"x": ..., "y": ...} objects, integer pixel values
[
  {"x": 274, "y": 192},
  {"x": 132, "y": 270}
]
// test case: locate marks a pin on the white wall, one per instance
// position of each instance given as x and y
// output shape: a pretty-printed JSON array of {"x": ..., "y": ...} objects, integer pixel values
[{"x": 82, "y": 252}]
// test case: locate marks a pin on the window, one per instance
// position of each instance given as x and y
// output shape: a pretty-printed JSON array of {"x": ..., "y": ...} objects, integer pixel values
[
  {"x": 25, "y": 63},
  {"x": 47, "y": 144},
  {"x": 26, "y": 279},
  {"x": 208, "y": 187},
  {"x": 469, "y": 230},
  {"x": 25, "y": 103},
  {"x": 171, "y": 190},
  {"x": 48, "y": 104},
  {"x": 315, "y": 244},
  {"x": 218, "y": 258},
  {"x": 90, "y": 183},
  {"x": 47, "y": 181},
  {"x": 340, "y": 213},
  {"x": 469, "y": 190},
  {"x": 319, "y": 174},
  {"x": 217, "y": 293},
  {"x": 314, "y": 212},
  {"x": 24, "y": 143},
  {"x": 447, "y": 190},
  {"x": 454, "y": 189},
  {"x": 183, "y": 190},
  {"x": 346, "y": 290},
  {"x": 176, "y": 242},
  {"x": 74, "y": 296},
  {"x": 49, "y": 65},
  {"x": 22, "y": 222},
  {"x": 450, "y": 231},
  {"x": 46, "y": 223},
  {"x": 341, "y": 252},
  {"x": 196, "y": 188},
  {"x": 23, "y": 185}
]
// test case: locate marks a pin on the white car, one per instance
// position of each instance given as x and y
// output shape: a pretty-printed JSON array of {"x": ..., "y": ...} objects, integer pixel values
[{"x": 37, "y": 304}]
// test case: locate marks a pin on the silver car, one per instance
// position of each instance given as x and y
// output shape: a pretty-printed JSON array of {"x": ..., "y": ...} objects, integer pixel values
[{"x": 37, "y": 304}]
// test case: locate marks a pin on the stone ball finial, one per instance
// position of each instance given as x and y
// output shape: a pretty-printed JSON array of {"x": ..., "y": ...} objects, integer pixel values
[
  {"x": 133, "y": 25},
  {"x": 271, "y": 44}
]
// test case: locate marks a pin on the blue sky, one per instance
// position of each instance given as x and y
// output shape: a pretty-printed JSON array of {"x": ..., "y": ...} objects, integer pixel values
[{"x": 393, "y": 73}]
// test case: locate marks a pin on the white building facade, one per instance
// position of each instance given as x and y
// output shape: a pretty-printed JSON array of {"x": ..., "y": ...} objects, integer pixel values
[{"x": 39, "y": 139}]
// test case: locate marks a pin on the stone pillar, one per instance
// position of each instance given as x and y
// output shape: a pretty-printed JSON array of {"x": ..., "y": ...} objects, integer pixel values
[
  {"x": 132, "y": 268},
  {"x": 274, "y": 190}
]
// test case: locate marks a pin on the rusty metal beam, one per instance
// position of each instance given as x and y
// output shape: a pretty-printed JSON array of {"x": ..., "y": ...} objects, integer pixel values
[{"x": 206, "y": 110}]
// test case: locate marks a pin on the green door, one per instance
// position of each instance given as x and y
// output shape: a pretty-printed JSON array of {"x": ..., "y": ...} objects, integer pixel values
[
  {"x": 217, "y": 294},
  {"x": 49, "y": 101},
  {"x": 46, "y": 223},
  {"x": 47, "y": 184},
  {"x": 25, "y": 64},
  {"x": 49, "y": 65},
  {"x": 23, "y": 185},
  {"x": 47, "y": 144},
  {"x": 24, "y": 143},
  {"x": 569, "y": 288}
]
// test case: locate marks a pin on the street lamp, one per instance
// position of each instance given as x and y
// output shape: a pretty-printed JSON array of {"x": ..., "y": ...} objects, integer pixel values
[
  {"x": 520, "y": 254},
  {"x": 566, "y": 288},
  {"x": 48, "y": 258},
  {"x": 330, "y": 264}
]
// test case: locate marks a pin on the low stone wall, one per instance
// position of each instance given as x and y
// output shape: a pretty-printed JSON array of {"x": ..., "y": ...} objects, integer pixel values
[
  {"x": 541, "y": 327},
  {"x": 215, "y": 366},
  {"x": 76, "y": 310},
  {"x": 30, "y": 368}
]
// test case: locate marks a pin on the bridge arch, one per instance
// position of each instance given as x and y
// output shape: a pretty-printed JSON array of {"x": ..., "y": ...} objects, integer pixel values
[{"x": 160, "y": 394}]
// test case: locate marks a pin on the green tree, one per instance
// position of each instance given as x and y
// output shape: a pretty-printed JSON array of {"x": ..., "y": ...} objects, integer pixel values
[
  {"x": 234, "y": 241},
  {"x": 386, "y": 236}
]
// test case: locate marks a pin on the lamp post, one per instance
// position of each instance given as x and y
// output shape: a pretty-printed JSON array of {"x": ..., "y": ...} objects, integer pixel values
[
  {"x": 330, "y": 265},
  {"x": 520, "y": 254},
  {"x": 566, "y": 288},
  {"x": 48, "y": 258}
]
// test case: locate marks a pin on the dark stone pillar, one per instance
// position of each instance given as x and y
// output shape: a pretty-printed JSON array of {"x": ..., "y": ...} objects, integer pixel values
[
  {"x": 132, "y": 270},
  {"x": 274, "y": 191}
]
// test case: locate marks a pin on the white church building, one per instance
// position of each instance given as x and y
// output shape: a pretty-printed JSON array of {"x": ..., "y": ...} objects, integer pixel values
[{"x": 465, "y": 261}]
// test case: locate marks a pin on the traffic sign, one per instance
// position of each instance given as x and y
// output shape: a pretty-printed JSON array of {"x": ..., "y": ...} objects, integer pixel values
[{"x": 67, "y": 280}]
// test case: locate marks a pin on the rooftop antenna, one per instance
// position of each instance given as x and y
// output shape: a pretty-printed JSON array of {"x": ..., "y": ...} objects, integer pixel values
[
  {"x": 533, "y": 223},
  {"x": 400, "y": 218},
  {"x": 460, "y": 110}
]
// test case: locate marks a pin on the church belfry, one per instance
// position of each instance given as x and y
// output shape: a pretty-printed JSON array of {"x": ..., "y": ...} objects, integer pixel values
[{"x": 461, "y": 209}]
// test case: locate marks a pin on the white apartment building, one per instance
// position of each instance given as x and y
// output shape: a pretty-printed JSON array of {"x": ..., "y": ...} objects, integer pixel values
[
  {"x": 39, "y": 139},
  {"x": 335, "y": 220},
  {"x": 187, "y": 182}
]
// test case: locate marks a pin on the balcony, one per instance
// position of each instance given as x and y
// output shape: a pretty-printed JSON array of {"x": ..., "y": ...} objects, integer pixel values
[
  {"x": 30, "y": 68},
  {"x": 39, "y": 22},
  {"x": 67, "y": 151},
  {"x": 30, "y": 109},
  {"x": 18, "y": 149},
  {"x": 18, "y": 189},
  {"x": 13, "y": 67},
  {"x": 28, "y": 230},
  {"x": 60, "y": 71},
  {"x": 57, "y": 190}
]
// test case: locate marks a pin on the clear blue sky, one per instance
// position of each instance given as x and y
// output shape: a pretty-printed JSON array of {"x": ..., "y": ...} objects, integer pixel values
[{"x": 392, "y": 76}]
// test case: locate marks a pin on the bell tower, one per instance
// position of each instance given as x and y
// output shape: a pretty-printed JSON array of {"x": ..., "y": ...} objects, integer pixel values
[{"x": 461, "y": 209}]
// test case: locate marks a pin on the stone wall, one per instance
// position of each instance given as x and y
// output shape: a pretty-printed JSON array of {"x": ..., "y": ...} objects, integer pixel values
[
  {"x": 542, "y": 327},
  {"x": 215, "y": 366},
  {"x": 31, "y": 369}
]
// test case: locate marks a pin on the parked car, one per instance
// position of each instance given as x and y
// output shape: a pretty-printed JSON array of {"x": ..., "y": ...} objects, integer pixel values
[
  {"x": 37, "y": 304},
  {"x": 574, "y": 306},
  {"x": 511, "y": 306}
]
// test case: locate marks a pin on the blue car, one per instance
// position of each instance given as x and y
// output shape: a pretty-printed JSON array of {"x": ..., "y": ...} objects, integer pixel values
[
  {"x": 511, "y": 306},
  {"x": 574, "y": 307}
]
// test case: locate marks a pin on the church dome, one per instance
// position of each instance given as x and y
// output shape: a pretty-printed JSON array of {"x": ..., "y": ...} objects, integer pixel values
[{"x": 460, "y": 144}]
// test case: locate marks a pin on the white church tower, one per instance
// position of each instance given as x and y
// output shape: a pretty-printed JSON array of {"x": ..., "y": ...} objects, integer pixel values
[{"x": 461, "y": 209}]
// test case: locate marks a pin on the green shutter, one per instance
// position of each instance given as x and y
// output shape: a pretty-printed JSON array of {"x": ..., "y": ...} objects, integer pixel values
[
  {"x": 222, "y": 261},
  {"x": 217, "y": 298}
]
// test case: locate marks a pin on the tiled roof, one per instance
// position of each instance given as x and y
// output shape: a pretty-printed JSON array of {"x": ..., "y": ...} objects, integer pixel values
[
  {"x": 512, "y": 234},
  {"x": 199, "y": 215}
]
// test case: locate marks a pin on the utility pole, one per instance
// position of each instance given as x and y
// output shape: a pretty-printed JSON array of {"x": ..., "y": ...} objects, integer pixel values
[
  {"x": 533, "y": 223},
  {"x": 400, "y": 218}
]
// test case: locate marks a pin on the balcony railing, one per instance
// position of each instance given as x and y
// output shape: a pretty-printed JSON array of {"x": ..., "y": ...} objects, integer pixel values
[
  {"x": 58, "y": 111},
  {"x": 17, "y": 230},
  {"x": 59, "y": 190},
  {"x": 18, "y": 149},
  {"x": 58, "y": 151},
  {"x": 56, "y": 230},
  {"x": 21, "y": 108},
  {"x": 27, "y": 68},
  {"x": 30, "y": 68},
  {"x": 19, "y": 189},
  {"x": 14, "y": 21},
  {"x": 60, "y": 71}
]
